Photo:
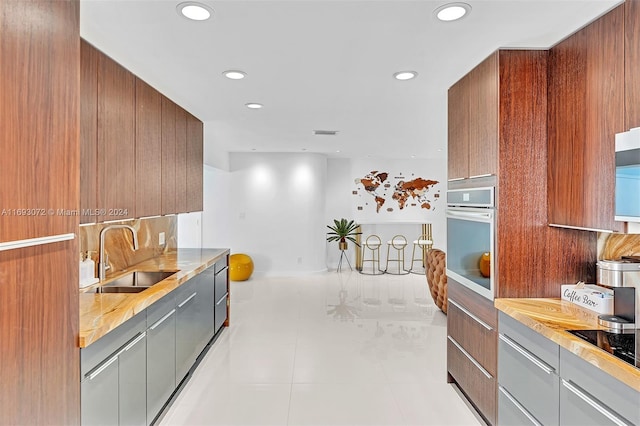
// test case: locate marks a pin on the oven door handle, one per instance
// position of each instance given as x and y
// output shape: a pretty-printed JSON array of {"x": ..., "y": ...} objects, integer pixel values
[{"x": 486, "y": 216}]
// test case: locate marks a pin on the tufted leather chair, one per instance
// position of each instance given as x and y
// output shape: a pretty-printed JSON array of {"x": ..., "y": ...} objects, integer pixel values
[{"x": 437, "y": 277}]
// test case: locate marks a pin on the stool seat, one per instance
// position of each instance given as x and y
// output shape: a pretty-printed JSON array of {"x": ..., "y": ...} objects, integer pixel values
[
  {"x": 398, "y": 243},
  {"x": 422, "y": 242}
]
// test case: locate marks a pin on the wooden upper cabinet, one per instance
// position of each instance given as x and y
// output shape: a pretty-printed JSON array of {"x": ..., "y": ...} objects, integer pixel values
[
  {"x": 483, "y": 118},
  {"x": 39, "y": 104},
  {"x": 473, "y": 122},
  {"x": 88, "y": 132},
  {"x": 194, "y": 163},
  {"x": 458, "y": 117},
  {"x": 585, "y": 111},
  {"x": 148, "y": 144},
  {"x": 181, "y": 160},
  {"x": 168, "y": 156},
  {"x": 116, "y": 141},
  {"x": 632, "y": 64}
]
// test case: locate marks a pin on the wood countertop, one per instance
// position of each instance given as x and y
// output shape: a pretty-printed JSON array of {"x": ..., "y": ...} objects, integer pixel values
[
  {"x": 102, "y": 312},
  {"x": 552, "y": 317}
]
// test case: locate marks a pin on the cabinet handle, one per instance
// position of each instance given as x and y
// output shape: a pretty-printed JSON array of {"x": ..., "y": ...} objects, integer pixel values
[
  {"x": 473, "y": 317},
  {"x": 465, "y": 353},
  {"x": 187, "y": 300},
  {"x": 479, "y": 176},
  {"x": 525, "y": 353},
  {"x": 163, "y": 319},
  {"x": 11, "y": 245},
  {"x": 454, "y": 179},
  {"x": 580, "y": 228},
  {"x": 222, "y": 298},
  {"x": 103, "y": 367},
  {"x": 134, "y": 342},
  {"x": 519, "y": 407},
  {"x": 583, "y": 395}
]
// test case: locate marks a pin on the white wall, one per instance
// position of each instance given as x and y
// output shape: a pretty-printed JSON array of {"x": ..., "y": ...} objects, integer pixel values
[
  {"x": 190, "y": 230},
  {"x": 277, "y": 205}
]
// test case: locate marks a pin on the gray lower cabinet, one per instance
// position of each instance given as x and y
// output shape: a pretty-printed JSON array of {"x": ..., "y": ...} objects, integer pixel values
[
  {"x": 113, "y": 386},
  {"x": 528, "y": 380},
  {"x": 188, "y": 327},
  {"x": 206, "y": 303},
  {"x": 161, "y": 354},
  {"x": 221, "y": 292},
  {"x": 589, "y": 396},
  {"x": 99, "y": 394}
]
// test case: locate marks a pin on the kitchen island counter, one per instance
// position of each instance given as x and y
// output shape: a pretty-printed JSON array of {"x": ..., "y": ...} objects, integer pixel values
[
  {"x": 552, "y": 317},
  {"x": 101, "y": 313}
]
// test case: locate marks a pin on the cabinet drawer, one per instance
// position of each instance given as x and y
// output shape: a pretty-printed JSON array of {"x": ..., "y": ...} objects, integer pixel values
[
  {"x": 476, "y": 336},
  {"x": 578, "y": 407},
  {"x": 221, "y": 264},
  {"x": 220, "y": 312},
  {"x": 221, "y": 283},
  {"x": 530, "y": 380},
  {"x": 541, "y": 347},
  {"x": 477, "y": 383},
  {"x": 598, "y": 386},
  {"x": 511, "y": 412},
  {"x": 160, "y": 308}
]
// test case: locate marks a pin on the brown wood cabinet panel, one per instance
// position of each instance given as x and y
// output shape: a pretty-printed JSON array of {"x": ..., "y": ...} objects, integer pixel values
[
  {"x": 479, "y": 341},
  {"x": 148, "y": 146},
  {"x": 181, "y": 160},
  {"x": 39, "y": 371},
  {"x": 116, "y": 141},
  {"x": 88, "y": 132},
  {"x": 586, "y": 86},
  {"x": 194, "y": 163},
  {"x": 483, "y": 118},
  {"x": 632, "y": 64},
  {"x": 39, "y": 104},
  {"x": 458, "y": 119},
  {"x": 168, "y": 156},
  {"x": 479, "y": 389}
]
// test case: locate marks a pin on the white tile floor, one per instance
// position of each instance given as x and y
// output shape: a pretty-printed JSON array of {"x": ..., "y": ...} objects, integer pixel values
[{"x": 326, "y": 349}]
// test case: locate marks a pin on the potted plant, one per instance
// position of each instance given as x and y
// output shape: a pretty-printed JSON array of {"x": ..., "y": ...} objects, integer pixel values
[{"x": 343, "y": 231}]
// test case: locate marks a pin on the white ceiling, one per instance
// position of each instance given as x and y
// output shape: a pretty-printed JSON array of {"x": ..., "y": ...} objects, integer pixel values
[{"x": 321, "y": 64}]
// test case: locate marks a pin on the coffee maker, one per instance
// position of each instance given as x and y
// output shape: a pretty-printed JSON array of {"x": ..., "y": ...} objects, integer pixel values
[{"x": 623, "y": 276}]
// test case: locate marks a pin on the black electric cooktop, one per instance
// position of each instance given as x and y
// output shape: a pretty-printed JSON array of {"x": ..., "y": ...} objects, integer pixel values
[{"x": 623, "y": 345}]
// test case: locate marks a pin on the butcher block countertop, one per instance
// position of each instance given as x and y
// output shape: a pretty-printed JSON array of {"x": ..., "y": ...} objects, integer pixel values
[
  {"x": 551, "y": 317},
  {"x": 102, "y": 312}
]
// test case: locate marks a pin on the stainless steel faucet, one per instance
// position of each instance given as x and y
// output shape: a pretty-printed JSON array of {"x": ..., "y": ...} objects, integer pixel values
[{"x": 103, "y": 264}]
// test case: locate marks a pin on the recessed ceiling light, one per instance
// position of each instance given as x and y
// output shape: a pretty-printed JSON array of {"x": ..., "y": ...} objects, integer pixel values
[
  {"x": 452, "y": 11},
  {"x": 254, "y": 105},
  {"x": 405, "y": 75},
  {"x": 194, "y": 11},
  {"x": 235, "y": 74}
]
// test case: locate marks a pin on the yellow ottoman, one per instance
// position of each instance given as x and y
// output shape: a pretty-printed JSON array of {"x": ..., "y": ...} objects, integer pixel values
[{"x": 240, "y": 267}]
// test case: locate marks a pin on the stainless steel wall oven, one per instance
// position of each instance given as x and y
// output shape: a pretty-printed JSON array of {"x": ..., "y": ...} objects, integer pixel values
[{"x": 470, "y": 234}]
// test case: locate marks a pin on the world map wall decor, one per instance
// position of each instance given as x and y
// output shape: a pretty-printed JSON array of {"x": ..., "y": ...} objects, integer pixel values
[{"x": 377, "y": 187}]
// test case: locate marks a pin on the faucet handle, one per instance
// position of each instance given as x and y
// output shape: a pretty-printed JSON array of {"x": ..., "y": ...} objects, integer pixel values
[{"x": 106, "y": 262}]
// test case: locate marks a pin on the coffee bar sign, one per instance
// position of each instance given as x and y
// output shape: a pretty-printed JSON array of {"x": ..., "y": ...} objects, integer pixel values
[{"x": 593, "y": 297}]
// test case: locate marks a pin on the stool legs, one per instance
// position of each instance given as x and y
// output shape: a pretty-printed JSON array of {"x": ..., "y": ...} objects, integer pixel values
[
  {"x": 399, "y": 243},
  {"x": 372, "y": 244}
]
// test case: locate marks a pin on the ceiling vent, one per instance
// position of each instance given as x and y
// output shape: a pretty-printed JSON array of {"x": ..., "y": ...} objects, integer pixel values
[{"x": 325, "y": 132}]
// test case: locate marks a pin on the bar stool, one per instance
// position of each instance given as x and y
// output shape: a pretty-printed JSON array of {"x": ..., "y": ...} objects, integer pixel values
[
  {"x": 424, "y": 243},
  {"x": 372, "y": 243},
  {"x": 398, "y": 242}
]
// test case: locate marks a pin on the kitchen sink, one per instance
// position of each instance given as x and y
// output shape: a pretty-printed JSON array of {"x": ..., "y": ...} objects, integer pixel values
[{"x": 134, "y": 282}]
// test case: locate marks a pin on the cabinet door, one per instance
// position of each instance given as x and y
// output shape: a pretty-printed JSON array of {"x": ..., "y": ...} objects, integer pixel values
[
  {"x": 194, "y": 164},
  {"x": 585, "y": 111},
  {"x": 458, "y": 141},
  {"x": 187, "y": 328},
  {"x": 99, "y": 394},
  {"x": 132, "y": 363},
  {"x": 116, "y": 141},
  {"x": 168, "y": 156},
  {"x": 88, "y": 132},
  {"x": 511, "y": 412},
  {"x": 221, "y": 294},
  {"x": 161, "y": 363},
  {"x": 632, "y": 64},
  {"x": 148, "y": 146},
  {"x": 483, "y": 118},
  {"x": 206, "y": 305},
  {"x": 39, "y": 105},
  {"x": 181, "y": 160}
]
